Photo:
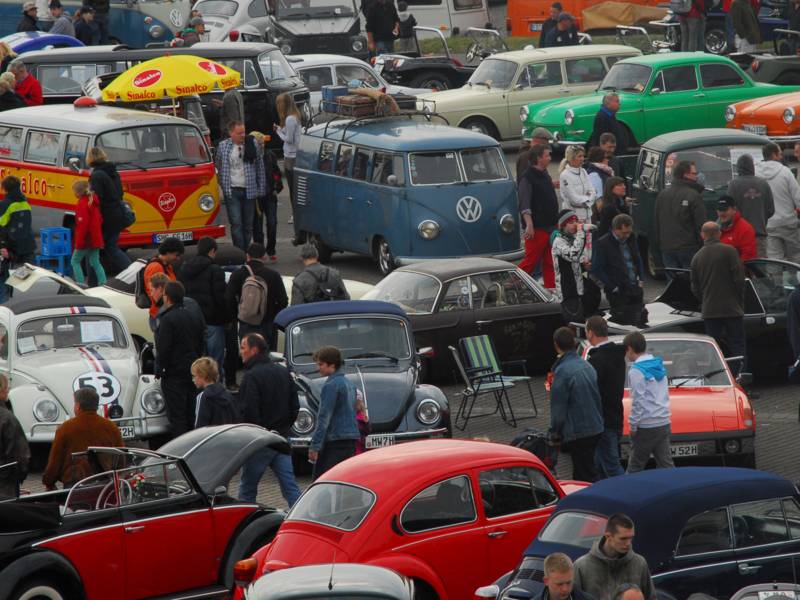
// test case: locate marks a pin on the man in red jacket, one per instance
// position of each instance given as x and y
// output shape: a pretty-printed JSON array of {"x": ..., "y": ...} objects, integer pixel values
[
  {"x": 736, "y": 231},
  {"x": 28, "y": 87}
]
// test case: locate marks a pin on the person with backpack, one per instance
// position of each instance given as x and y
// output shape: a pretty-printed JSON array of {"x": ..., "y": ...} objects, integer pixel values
[
  {"x": 105, "y": 182},
  {"x": 255, "y": 294},
  {"x": 316, "y": 282},
  {"x": 170, "y": 251}
]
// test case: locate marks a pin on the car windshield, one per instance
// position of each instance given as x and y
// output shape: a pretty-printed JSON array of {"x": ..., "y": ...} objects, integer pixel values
[
  {"x": 690, "y": 363},
  {"x": 221, "y": 8},
  {"x": 313, "y": 9},
  {"x": 336, "y": 505},
  {"x": 574, "y": 529},
  {"x": 69, "y": 331},
  {"x": 274, "y": 66},
  {"x": 415, "y": 293},
  {"x": 154, "y": 146},
  {"x": 434, "y": 168},
  {"x": 494, "y": 72},
  {"x": 356, "y": 337},
  {"x": 483, "y": 164},
  {"x": 716, "y": 165},
  {"x": 627, "y": 78}
]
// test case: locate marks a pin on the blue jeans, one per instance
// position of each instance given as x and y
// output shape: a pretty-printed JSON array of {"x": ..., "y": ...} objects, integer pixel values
[
  {"x": 681, "y": 259},
  {"x": 253, "y": 471},
  {"x": 241, "y": 213},
  {"x": 606, "y": 455},
  {"x": 215, "y": 346},
  {"x": 119, "y": 260}
]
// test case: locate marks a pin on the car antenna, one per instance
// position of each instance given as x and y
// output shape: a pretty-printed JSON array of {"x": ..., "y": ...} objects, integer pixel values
[{"x": 330, "y": 579}]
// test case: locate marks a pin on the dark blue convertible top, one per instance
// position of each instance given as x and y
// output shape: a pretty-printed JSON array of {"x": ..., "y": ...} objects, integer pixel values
[
  {"x": 339, "y": 307},
  {"x": 660, "y": 501}
]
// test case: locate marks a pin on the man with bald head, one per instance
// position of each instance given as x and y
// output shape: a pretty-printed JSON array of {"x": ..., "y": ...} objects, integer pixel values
[
  {"x": 629, "y": 591},
  {"x": 718, "y": 280}
]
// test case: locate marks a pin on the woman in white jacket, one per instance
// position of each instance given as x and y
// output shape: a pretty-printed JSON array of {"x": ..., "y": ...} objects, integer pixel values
[{"x": 577, "y": 192}]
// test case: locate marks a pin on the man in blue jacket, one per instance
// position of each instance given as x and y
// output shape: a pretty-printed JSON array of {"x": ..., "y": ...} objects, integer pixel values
[
  {"x": 334, "y": 439},
  {"x": 576, "y": 415},
  {"x": 559, "y": 580}
]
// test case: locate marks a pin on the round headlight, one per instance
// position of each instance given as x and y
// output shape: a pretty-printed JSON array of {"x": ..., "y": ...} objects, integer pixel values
[
  {"x": 428, "y": 229},
  {"x": 45, "y": 410},
  {"x": 788, "y": 115},
  {"x": 156, "y": 31},
  {"x": 153, "y": 401},
  {"x": 357, "y": 45},
  {"x": 507, "y": 223},
  {"x": 304, "y": 422},
  {"x": 730, "y": 113},
  {"x": 732, "y": 446},
  {"x": 206, "y": 202},
  {"x": 286, "y": 49},
  {"x": 428, "y": 412},
  {"x": 569, "y": 117},
  {"x": 523, "y": 113}
]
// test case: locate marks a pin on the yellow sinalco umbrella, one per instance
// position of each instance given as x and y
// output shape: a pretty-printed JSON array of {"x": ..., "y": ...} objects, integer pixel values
[{"x": 170, "y": 76}]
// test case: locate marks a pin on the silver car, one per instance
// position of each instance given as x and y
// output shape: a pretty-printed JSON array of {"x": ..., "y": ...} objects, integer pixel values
[{"x": 233, "y": 20}]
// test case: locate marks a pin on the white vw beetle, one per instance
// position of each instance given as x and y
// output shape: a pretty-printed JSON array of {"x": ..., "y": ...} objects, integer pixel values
[{"x": 52, "y": 345}]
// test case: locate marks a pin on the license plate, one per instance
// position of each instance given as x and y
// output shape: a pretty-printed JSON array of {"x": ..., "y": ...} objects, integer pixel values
[
  {"x": 759, "y": 129},
  {"x": 128, "y": 432},
  {"x": 535, "y": 27},
  {"x": 380, "y": 441},
  {"x": 681, "y": 450},
  {"x": 184, "y": 236}
]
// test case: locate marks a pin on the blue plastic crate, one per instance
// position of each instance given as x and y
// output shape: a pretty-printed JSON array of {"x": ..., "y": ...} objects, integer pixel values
[
  {"x": 330, "y": 96},
  {"x": 56, "y": 241}
]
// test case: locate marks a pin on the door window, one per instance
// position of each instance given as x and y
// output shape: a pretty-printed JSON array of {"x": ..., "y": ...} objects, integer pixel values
[
  {"x": 458, "y": 296},
  {"x": 347, "y": 73},
  {"x": 152, "y": 482},
  {"x": 773, "y": 282},
  {"x": 343, "y": 160},
  {"x": 316, "y": 77},
  {"x": 384, "y": 165},
  {"x": 719, "y": 75},
  {"x": 93, "y": 493},
  {"x": 10, "y": 142},
  {"x": 42, "y": 147},
  {"x": 360, "y": 164},
  {"x": 64, "y": 79},
  {"x": 245, "y": 68},
  {"x": 677, "y": 79},
  {"x": 514, "y": 490},
  {"x": 503, "y": 288},
  {"x": 611, "y": 60},
  {"x": 759, "y": 523},
  {"x": 585, "y": 70},
  {"x": 76, "y": 148},
  {"x": 716, "y": 163},
  {"x": 544, "y": 74},
  {"x": 443, "y": 504},
  {"x": 467, "y": 4},
  {"x": 326, "y": 157},
  {"x": 706, "y": 532}
]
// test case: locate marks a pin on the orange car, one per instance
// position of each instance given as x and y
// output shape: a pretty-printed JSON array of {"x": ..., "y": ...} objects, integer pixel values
[
  {"x": 525, "y": 17},
  {"x": 777, "y": 117}
]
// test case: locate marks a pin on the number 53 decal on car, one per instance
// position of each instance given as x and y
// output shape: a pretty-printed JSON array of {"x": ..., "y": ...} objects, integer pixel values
[{"x": 106, "y": 385}]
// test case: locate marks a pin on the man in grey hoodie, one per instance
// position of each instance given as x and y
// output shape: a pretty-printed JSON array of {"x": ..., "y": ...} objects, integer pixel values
[
  {"x": 783, "y": 235},
  {"x": 754, "y": 198},
  {"x": 612, "y": 562}
]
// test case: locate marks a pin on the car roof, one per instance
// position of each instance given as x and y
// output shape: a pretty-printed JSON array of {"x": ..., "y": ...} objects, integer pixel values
[
  {"x": 566, "y": 52},
  {"x": 299, "y": 61},
  {"x": 677, "y": 58},
  {"x": 91, "y": 120},
  {"x": 339, "y": 307},
  {"x": 402, "y": 134},
  {"x": 345, "y": 578},
  {"x": 26, "y": 304},
  {"x": 693, "y": 138},
  {"x": 451, "y": 268}
]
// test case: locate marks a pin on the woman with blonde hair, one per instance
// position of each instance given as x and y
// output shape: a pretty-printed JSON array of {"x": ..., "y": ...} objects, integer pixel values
[
  {"x": 6, "y": 56},
  {"x": 9, "y": 99},
  {"x": 577, "y": 191},
  {"x": 106, "y": 183},
  {"x": 288, "y": 129}
]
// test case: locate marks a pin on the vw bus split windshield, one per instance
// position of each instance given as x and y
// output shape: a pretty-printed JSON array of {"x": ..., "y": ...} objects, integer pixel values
[
  {"x": 437, "y": 168},
  {"x": 153, "y": 146}
]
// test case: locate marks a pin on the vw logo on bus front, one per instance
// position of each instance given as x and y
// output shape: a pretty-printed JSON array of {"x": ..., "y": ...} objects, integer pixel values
[{"x": 469, "y": 209}]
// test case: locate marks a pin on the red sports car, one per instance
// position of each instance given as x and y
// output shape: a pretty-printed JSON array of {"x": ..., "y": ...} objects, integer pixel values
[{"x": 450, "y": 514}]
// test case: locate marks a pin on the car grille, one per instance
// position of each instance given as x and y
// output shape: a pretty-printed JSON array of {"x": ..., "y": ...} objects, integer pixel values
[
  {"x": 321, "y": 44},
  {"x": 532, "y": 574}
]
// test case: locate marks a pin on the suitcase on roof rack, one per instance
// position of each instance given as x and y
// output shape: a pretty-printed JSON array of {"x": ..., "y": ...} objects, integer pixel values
[{"x": 356, "y": 106}]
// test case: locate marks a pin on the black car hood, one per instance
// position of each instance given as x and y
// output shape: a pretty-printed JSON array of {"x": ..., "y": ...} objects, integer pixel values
[{"x": 317, "y": 26}]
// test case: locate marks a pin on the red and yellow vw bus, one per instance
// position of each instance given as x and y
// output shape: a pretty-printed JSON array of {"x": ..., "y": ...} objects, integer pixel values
[{"x": 166, "y": 168}]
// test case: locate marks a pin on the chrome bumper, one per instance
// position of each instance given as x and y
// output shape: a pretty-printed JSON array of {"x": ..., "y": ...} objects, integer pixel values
[
  {"x": 507, "y": 256},
  {"x": 406, "y": 436},
  {"x": 144, "y": 427}
]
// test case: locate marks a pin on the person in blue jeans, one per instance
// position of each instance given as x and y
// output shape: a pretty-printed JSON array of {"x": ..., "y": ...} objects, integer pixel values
[
  {"x": 267, "y": 397},
  {"x": 334, "y": 439}
]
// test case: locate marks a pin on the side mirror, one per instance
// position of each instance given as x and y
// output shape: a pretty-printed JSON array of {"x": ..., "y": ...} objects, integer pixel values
[
  {"x": 392, "y": 180},
  {"x": 276, "y": 357},
  {"x": 744, "y": 379},
  {"x": 219, "y": 492},
  {"x": 655, "y": 91},
  {"x": 518, "y": 87},
  {"x": 427, "y": 352},
  {"x": 74, "y": 163}
]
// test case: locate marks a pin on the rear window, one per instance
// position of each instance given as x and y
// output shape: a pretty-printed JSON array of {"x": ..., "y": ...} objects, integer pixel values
[
  {"x": 574, "y": 529},
  {"x": 221, "y": 8},
  {"x": 336, "y": 505},
  {"x": 434, "y": 168}
]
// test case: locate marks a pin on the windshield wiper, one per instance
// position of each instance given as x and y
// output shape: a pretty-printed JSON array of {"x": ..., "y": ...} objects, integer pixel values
[
  {"x": 133, "y": 164},
  {"x": 175, "y": 159},
  {"x": 704, "y": 376},
  {"x": 375, "y": 355}
]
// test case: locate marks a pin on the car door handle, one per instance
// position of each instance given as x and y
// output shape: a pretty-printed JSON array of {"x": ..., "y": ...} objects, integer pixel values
[
  {"x": 479, "y": 323},
  {"x": 134, "y": 529},
  {"x": 746, "y": 569},
  {"x": 497, "y": 534},
  {"x": 348, "y": 198},
  {"x": 699, "y": 95},
  {"x": 564, "y": 91},
  {"x": 369, "y": 202}
]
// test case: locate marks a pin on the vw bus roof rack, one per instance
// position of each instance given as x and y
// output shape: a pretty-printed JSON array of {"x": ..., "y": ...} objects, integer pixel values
[{"x": 358, "y": 120}]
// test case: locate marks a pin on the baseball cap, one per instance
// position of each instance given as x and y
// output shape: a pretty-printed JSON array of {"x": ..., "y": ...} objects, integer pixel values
[
  {"x": 541, "y": 132},
  {"x": 726, "y": 202},
  {"x": 564, "y": 16},
  {"x": 85, "y": 9},
  {"x": 28, "y": 6}
]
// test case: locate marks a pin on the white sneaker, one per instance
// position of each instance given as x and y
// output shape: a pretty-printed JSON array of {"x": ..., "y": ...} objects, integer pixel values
[{"x": 291, "y": 220}]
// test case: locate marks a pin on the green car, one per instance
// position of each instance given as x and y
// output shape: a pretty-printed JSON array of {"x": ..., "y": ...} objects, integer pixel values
[{"x": 659, "y": 93}]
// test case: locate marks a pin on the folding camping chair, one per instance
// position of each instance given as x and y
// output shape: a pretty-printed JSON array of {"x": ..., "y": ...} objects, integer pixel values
[{"x": 481, "y": 385}]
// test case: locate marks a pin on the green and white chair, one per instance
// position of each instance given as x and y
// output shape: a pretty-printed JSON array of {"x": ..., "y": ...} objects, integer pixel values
[{"x": 481, "y": 384}]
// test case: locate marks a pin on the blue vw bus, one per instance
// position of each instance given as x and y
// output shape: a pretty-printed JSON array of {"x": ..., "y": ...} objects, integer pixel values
[{"x": 403, "y": 189}]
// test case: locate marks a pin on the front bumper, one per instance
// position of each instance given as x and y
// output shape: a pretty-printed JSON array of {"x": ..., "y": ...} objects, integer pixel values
[
  {"x": 560, "y": 139},
  {"x": 512, "y": 256},
  {"x": 302, "y": 442},
  {"x": 710, "y": 446},
  {"x": 144, "y": 427},
  {"x": 146, "y": 239}
]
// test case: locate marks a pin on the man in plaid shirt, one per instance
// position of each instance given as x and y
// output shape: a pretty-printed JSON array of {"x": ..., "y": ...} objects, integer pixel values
[{"x": 240, "y": 165}]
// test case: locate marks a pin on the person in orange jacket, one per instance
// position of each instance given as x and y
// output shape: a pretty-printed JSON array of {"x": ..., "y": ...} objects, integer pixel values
[
  {"x": 736, "y": 231},
  {"x": 88, "y": 237}
]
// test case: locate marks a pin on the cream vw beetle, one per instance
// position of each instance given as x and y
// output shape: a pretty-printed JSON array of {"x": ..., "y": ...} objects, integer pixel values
[
  {"x": 51, "y": 345},
  {"x": 503, "y": 83}
]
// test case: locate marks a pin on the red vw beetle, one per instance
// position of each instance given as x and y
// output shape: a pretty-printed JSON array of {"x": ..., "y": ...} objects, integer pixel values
[{"x": 450, "y": 514}]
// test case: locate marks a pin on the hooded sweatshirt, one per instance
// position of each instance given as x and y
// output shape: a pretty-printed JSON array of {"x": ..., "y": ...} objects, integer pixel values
[
  {"x": 752, "y": 194},
  {"x": 600, "y": 575},
  {"x": 215, "y": 406},
  {"x": 649, "y": 393},
  {"x": 785, "y": 193}
]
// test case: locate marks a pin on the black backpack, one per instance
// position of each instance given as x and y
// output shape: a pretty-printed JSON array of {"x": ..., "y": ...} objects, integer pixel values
[
  {"x": 326, "y": 289},
  {"x": 140, "y": 290},
  {"x": 537, "y": 443}
]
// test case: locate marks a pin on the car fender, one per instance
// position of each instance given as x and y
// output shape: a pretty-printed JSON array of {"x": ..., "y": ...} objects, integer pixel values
[
  {"x": 426, "y": 390},
  {"x": 412, "y": 567},
  {"x": 479, "y": 115},
  {"x": 41, "y": 562},
  {"x": 250, "y": 531}
]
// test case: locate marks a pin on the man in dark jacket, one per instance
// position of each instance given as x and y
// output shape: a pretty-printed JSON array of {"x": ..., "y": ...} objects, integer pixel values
[
  {"x": 382, "y": 26},
  {"x": 267, "y": 397},
  {"x": 679, "y": 214},
  {"x": 28, "y": 21},
  {"x": 277, "y": 299},
  {"x": 608, "y": 360},
  {"x": 316, "y": 282},
  {"x": 558, "y": 580},
  {"x": 179, "y": 342},
  {"x": 15, "y": 221},
  {"x": 205, "y": 283},
  {"x": 605, "y": 121},
  {"x": 13, "y": 447},
  {"x": 753, "y": 196},
  {"x": 745, "y": 26},
  {"x": 564, "y": 33},
  {"x": 576, "y": 419},
  {"x": 718, "y": 280},
  {"x": 101, "y": 9},
  {"x": 87, "y": 30},
  {"x": 538, "y": 207},
  {"x": 617, "y": 264},
  {"x": 550, "y": 24}
]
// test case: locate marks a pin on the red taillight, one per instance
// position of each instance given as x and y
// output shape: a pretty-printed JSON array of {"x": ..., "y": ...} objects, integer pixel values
[
  {"x": 755, "y": 65},
  {"x": 383, "y": 89},
  {"x": 244, "y": 572},
  {"x": 233, "y": 35}
]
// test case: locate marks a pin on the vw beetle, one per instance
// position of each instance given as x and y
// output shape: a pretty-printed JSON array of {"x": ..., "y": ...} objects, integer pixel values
[
  {"x": 380, "y": 358},
  {"x": 52, "y": 345}
]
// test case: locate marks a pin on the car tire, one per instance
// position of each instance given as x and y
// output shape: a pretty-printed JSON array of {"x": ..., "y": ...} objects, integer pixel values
[
  {"x": 481, "y": 125},
  {"x": 384, "y": 256},
  {"x": 423, "y": 591},
  {"x": 431, "y": 81},
  {"x": 38, "y": 589},
  {"x": 716, "y": 40}
]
